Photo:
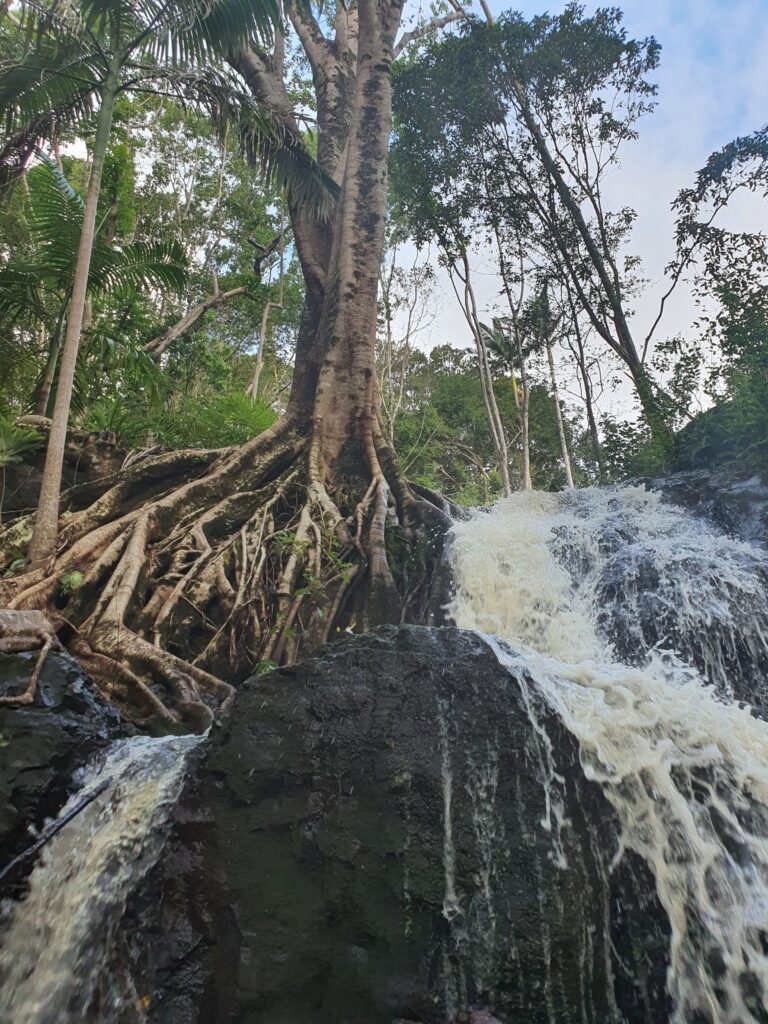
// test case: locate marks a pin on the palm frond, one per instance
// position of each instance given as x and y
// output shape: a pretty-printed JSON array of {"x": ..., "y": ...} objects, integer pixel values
[
  {"x": 166, "y": 45},
  {"x": 139, "y": 265},
  {"x": 189, "y": 32},
  {"x": 55, "y": 219},
  {"x": 282, "y": 156},
  {"x": 20, "y": 294},
  {"x": 50, "y": 88},
  {"x": 57, "y": 74},
  {"x": 60, "y": 179}
]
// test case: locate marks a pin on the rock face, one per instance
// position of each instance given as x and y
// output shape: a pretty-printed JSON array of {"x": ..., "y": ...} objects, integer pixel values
[
  {"x": 737, "y": 505},
  {"x": 42, "y": 744},
  {"x": 370, "y": 839}
]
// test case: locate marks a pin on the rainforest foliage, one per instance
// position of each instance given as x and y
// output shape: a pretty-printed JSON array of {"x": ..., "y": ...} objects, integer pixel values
[
  {"x": 315, "y": 275},
  {"x": 186, "y": 219}
]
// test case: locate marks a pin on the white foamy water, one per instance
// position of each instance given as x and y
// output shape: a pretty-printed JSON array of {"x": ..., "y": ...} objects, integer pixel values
[
  {"x": 621, "y": 611},
  {"x": 59, "y": 936}
]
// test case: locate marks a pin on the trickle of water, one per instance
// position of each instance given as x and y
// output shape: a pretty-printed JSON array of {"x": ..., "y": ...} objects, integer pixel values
[
  {"x": 621, "y": 609},
  {"x": 58, "y": 939}
]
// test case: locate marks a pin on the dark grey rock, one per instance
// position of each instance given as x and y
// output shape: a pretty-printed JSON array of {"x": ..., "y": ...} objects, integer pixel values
[
  {"x": 308, "y": 877},
  {"x": 42, "y": 744},
  {"x": 737, "y": 504}
]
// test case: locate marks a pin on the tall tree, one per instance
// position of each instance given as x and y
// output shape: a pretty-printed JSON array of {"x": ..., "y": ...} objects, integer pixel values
[
  {"x": 93, "y": 54},
  {"x": 196, "y": 565},
  {"x": 552, "y": 102}
]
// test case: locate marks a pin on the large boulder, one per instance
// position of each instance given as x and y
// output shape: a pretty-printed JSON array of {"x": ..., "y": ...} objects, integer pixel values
[{"x": 396, "y": 830}]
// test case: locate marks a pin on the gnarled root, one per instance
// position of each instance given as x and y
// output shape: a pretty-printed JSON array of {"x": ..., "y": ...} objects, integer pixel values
[
  {"x": 259, "y": 556},
  {"x": 22, "y": 632}
]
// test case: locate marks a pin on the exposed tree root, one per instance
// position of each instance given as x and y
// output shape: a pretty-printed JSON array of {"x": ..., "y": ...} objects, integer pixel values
[
  {"x": 25, "y": 631},
  {"x": 194, "y": 570}
]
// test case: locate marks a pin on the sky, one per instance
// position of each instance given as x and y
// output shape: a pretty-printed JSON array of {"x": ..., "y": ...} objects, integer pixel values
[{"x": 713, "y": 86}]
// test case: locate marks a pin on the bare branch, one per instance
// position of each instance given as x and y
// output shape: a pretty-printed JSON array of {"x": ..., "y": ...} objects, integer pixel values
[
  {"x": 431, "y": 26},
  {"x": 487, "y": 12},
  {"x": 314, "y": 43},
  {"x": 158, "y": 345}
]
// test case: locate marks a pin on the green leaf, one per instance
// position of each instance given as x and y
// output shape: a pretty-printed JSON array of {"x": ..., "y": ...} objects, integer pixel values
[{"x": 16, "y": 442}]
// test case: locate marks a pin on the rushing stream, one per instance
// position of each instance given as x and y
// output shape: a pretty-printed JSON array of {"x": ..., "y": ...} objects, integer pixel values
[
  {"x": 61, "y": 935},
  {"x": 637, "y": 624},
  {"x": 457, "y": 844}
]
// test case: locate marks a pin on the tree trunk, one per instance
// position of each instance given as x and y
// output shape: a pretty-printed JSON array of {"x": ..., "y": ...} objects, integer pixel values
[
  {"x": 525, "y": 436},
  {"x": 253, "y": 387},
  {"x": 498, "y": 435},
  {"x": 559, "y": 415},
  {"x": 626, "y": 347},
  {"x": 593, "y": 433},
  {"x": 197, "y": 566},
  {"x": 579, "y": 354},
  {"x": 43, "y": 541},
  {"x": 521, "y": 405}
]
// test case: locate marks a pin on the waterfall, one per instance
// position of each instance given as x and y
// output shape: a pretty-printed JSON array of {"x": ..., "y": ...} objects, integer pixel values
[
  {"x": 60, "y": 937},
  {"x": 638, "y": 623}
]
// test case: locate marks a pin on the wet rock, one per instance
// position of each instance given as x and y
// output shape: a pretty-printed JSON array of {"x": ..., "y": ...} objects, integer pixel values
[
  {"x": 43, "y": 743},
  {"x": 736, "y": 504},
  {"x": 385, "y": 834}
]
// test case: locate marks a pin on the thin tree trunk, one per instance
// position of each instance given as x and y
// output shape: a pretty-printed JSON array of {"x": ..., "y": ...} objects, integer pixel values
[
  {"x": 522, "y": 404},
  {"x": 253, "y": 387},
  {"x": 469, "y": 308},
  {"x": 593, "y": 433},
  {"x": 559, "y": 415},
  {"x": 525, "y": 436},
  {"x": 589, "y": 404},
  {"x": 581, "y": 361},
  {"x": 43, "y": 541},
  {"x": 43, "y": 390}
]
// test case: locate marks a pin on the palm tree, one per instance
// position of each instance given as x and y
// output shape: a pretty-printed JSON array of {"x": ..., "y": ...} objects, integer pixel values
[
  {"x": 85, "y": 58},
  {"x": 37, "y": 288}
]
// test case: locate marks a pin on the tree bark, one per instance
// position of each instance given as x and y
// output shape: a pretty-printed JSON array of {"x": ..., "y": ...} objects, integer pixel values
[
  {"x": 559, "y": 416},
  {"x": 469, "y": 308},
  {"x": 43, "y": 541},
  {"x": 525, "y": 434},
  {"x": 196, "y": 566}
]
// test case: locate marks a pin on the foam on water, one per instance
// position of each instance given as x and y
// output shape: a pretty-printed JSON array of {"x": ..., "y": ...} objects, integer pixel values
[
  {"x": 59, "y": 937},
  {"x": 631, "y": 619}
]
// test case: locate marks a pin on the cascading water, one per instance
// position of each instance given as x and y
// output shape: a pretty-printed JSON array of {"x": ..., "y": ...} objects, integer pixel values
[
  {"x": 637, "y": 624},
  {"x": 59, "y": 939}
]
